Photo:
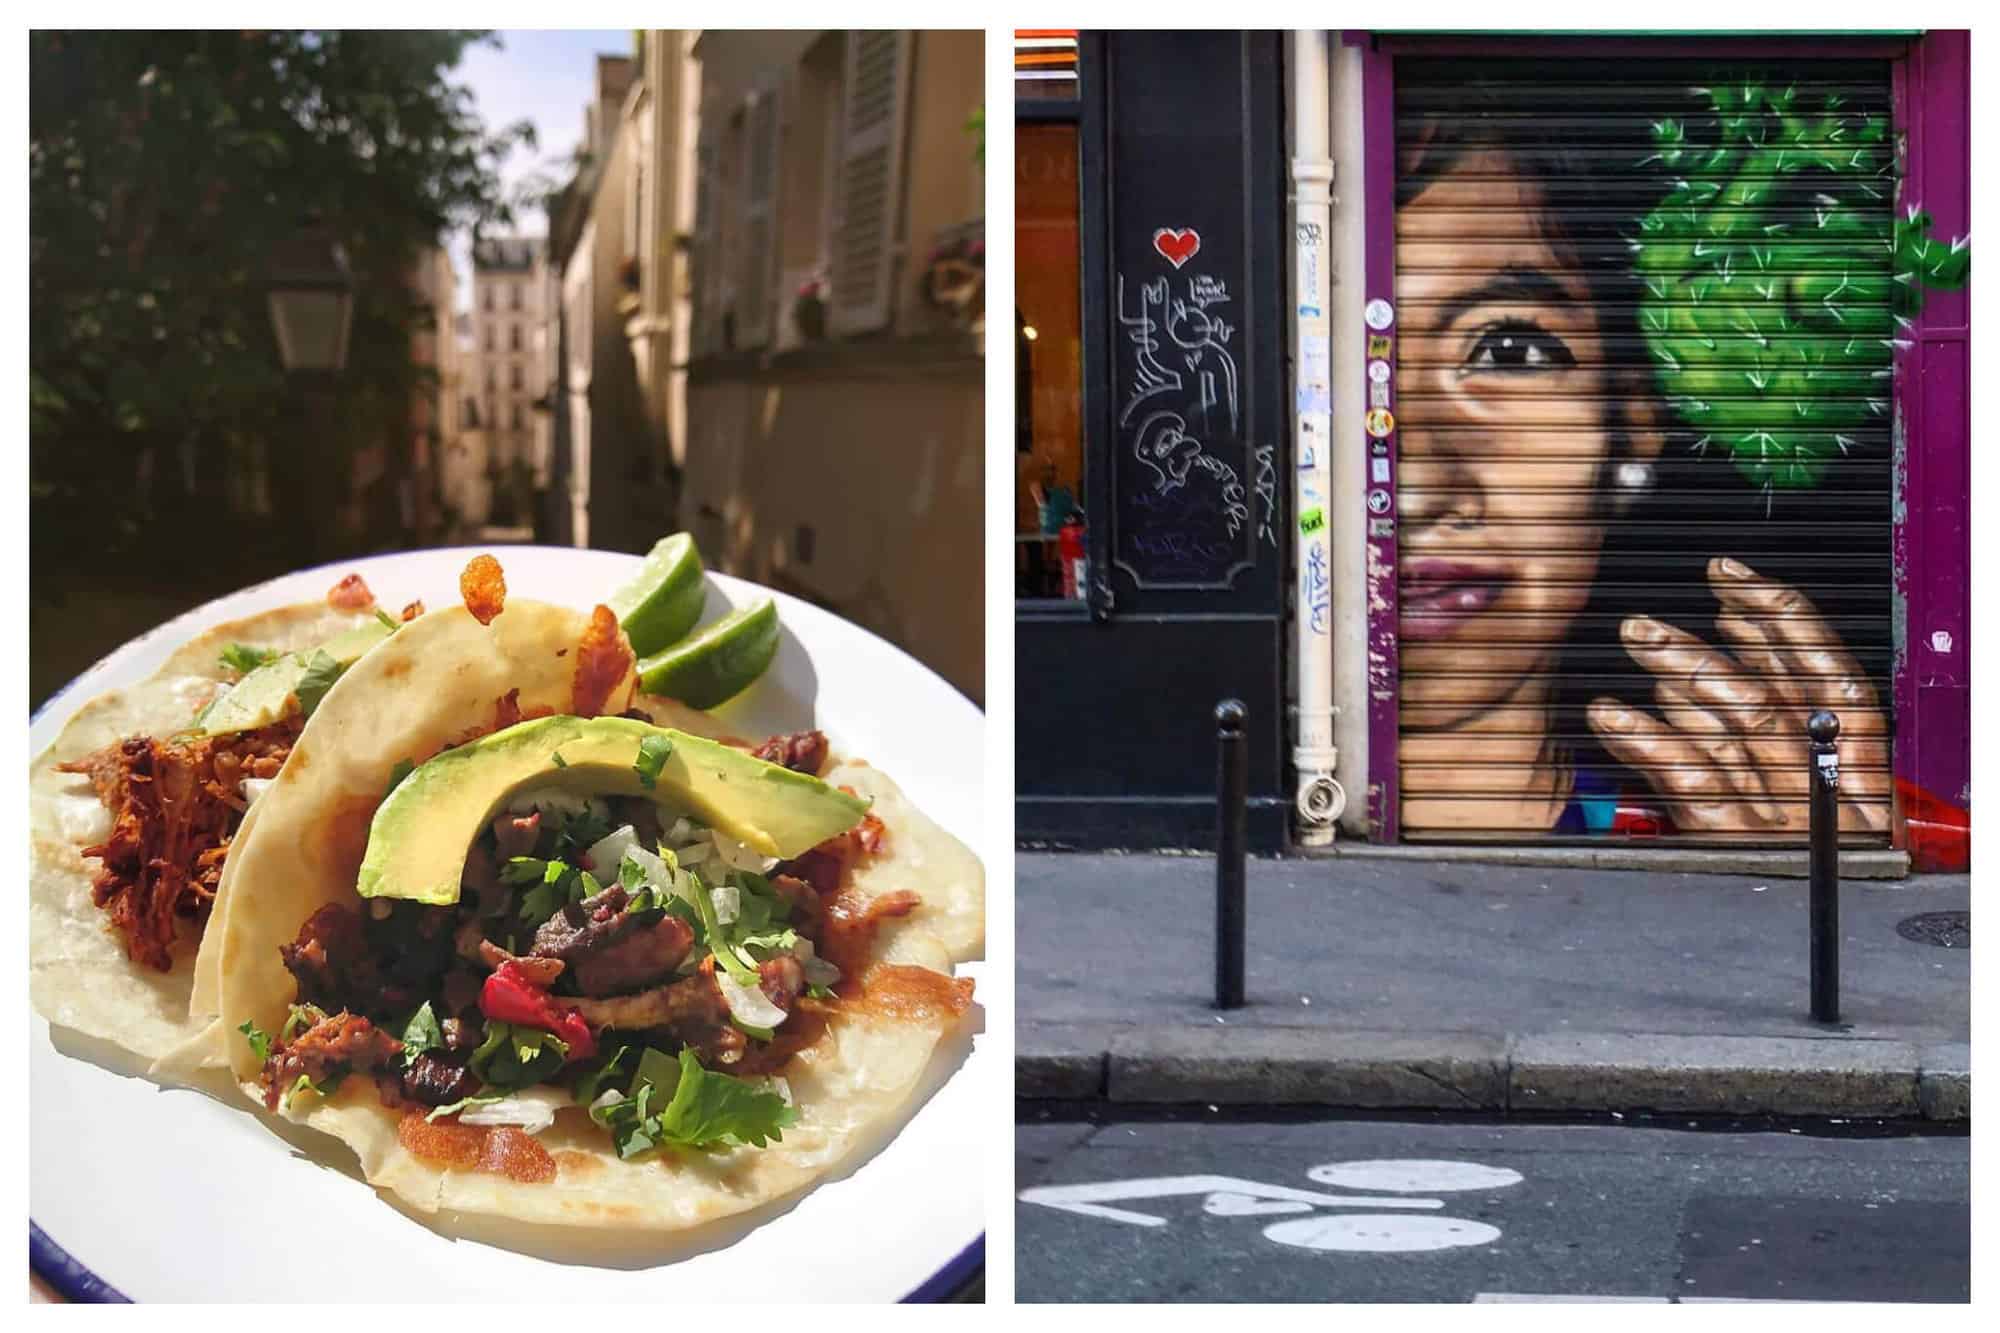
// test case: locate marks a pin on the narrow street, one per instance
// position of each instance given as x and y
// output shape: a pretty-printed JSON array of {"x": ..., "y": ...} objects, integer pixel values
[{"x": 1376, "y": 1210}]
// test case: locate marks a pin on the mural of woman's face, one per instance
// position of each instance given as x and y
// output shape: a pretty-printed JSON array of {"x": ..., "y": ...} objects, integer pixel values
[{"x": 1503, "y": 388}]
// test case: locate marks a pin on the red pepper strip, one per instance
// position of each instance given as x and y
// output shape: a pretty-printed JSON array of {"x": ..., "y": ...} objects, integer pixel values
[{"x": 509, "y": 997}]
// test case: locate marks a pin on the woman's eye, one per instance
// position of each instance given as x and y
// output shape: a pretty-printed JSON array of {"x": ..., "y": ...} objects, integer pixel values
[{"x": 1513, "y": 348}]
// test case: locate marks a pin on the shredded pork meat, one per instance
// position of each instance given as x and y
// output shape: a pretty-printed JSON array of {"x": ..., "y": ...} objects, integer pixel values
[{"x": 174, "y": 806}]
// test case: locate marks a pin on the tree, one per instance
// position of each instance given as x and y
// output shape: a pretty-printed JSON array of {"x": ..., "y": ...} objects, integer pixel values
[{"x": 164, "y": 167}]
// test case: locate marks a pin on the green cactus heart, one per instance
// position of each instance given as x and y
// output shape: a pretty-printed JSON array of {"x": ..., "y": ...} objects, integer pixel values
[{"x": 1778, "y": 281}]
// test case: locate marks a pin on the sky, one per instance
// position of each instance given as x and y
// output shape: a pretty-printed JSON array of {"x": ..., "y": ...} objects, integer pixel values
[{"x": 543, "y": 77}]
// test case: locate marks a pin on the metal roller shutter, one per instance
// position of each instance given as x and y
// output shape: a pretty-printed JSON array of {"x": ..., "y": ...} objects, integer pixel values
[{"x": 1645, "y": 321}]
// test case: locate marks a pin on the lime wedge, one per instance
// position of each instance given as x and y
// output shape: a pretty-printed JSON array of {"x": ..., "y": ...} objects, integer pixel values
[
  {"x": 720, "y": 662},
  {"x": 664, "y": 600}
]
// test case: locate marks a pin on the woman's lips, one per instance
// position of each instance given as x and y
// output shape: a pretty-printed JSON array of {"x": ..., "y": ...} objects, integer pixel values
[{"x": 1438, "y": 596}]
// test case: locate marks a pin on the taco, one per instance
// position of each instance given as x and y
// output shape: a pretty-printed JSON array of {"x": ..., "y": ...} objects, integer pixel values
[
  {"x": 133, "y": 810},
  {"x": 538, "y": 946}
]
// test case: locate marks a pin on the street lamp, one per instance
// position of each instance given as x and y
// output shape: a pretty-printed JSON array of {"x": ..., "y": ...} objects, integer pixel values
[{"x": 311, "y": 293}]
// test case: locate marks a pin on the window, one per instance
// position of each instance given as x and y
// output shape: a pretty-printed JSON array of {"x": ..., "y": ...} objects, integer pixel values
[
  {"x": 520, "y": 421},
  {"x": 514, "y": 295},
  {"x": 1048, "y": 345},
  {"x": 489, "y": 337},
  {"x": 489, "y": 299},
  {"x": 875, "y": 88},
  {"x": 514, "y": 338},
  {"x": 492, "y": 379},
  {"x": 514, "y": 377}
]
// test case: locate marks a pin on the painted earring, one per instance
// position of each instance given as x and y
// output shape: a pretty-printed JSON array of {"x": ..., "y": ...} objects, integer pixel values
[{"x": 1629, "y": 484}]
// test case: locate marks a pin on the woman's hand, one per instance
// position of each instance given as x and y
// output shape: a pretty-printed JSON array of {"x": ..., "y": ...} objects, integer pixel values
[{"x": 1730, "y": 755}]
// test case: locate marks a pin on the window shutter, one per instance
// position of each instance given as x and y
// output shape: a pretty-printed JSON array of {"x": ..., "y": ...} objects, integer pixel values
[
  {"x": 760, "y": 212},
  {"x": 875, "y": 93},
  {"x": 702, "y": 336}
]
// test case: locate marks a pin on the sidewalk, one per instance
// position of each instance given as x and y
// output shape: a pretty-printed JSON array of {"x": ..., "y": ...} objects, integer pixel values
[{"x": 1399, "y": 984}]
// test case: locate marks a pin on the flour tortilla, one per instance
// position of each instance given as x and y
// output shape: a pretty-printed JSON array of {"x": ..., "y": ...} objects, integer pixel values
[
  {"x": 433, "y": 681},
  {"x": 79, "y": 975}
]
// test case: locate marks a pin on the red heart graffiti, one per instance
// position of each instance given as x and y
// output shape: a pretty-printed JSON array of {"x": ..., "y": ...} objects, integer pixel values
[{"x": 1177, "y": 244}]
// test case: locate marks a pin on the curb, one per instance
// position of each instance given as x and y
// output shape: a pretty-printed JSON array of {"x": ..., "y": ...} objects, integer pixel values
[
  {"x": 1855, "y": 863},
  {"x": 1564, "y": 1072}
]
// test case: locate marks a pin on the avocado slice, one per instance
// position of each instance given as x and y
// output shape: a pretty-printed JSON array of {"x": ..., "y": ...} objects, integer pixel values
[
  {"x": 419, "y": 837},
  {"x": 259, "y": 699}
]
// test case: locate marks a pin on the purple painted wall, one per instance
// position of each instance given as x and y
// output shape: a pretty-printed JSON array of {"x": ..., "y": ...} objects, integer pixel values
[
  {"x": 1933, "y": 679},
  {"x": 1378, "y": 93}
]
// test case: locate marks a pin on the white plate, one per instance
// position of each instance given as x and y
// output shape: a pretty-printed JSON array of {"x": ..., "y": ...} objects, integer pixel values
[{"x": 170, "y": 1194}]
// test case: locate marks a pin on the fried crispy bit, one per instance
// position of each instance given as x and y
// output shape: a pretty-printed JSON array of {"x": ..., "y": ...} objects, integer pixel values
[
  {"x": 412, "y": 611},
  {"x": 484, "y": 588},
  {"x": 350, "y": 594},
  {"x": 602, "y": 661}
]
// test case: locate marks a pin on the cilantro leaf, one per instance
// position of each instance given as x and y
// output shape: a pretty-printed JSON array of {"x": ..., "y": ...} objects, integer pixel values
[
  {"x": 701, "y": 1109},
  {"x": 260, "y": 1040},
  {"x": 321, "y": 672},
  {"x": 420, "y": 1033},
  {"x": 819, "y": 992},
  {"x": 593, "y": 1081},
  {"x": 709, "y": 1108},
  {"x": 303, "y": 1016},
  {"x": 718, "y": 939},
  {"x": 524, "y": 870},
  {"x": 557, "y": 759},
  {"x": 517, "y": 1057},
  {"x": 242, "y": 657},
  {"x": 403, "y": 769},
  {"x": 653, "y": 752}
]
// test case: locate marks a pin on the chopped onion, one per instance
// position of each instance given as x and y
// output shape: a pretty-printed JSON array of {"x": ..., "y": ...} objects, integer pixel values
[
  {"x": 728, "y": 900},
  {"x": 609, "y": 1097},
  {"x": 682, "y": 831},
  {"x": 651, "y": 868},
  {"x": 252, "y": 788},
  {"x": 608, "y": 853},
  {"x": 695, "y": 853},
  {"x": 817, "y": 971},
  {"x": 533, "y": 1109},
  {"x": 748, "y": 1005},
  {"x": 739, "y": 856}
]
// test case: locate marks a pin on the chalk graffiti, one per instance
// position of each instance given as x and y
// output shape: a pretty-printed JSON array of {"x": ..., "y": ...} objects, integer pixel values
[
  {"x": 1180, "y": 415},
  {"x": 1267, "y": 491}
]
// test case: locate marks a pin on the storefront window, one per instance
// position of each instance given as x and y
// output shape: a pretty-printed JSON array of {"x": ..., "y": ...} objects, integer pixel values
[{"x": 1048, "y": 365}]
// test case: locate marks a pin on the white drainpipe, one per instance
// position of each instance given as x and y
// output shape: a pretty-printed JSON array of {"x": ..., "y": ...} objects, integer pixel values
[{"x": 1320, "y": 799}]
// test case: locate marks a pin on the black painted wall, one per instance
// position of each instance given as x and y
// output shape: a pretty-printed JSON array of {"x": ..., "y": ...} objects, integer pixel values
[{"x": 1186, "y": 451}]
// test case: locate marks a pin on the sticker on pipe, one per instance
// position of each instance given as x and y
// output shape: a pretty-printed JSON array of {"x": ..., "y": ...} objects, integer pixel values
[
  {"x": 1379, "y": 345},
  {"x": 1379, "y": 502},
  {"x": 1380, "y": 422},
  {"x": 1378, "y": 371},
  {"x": 1378, "y": 314}
]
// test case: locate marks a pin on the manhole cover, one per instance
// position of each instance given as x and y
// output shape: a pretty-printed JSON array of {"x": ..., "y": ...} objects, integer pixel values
[{"x": 1947, "y": 930}]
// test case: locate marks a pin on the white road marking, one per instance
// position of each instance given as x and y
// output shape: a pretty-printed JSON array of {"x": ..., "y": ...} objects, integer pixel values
[
  {"x": 1385, "y": 1233},
  {"x": 1407, "y": 1176},
  {"x": 1090, "y": 1199}
]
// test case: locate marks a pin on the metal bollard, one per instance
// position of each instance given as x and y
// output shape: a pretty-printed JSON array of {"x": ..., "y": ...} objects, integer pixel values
[
  {"x": 1824, "y": 864},
  {"x": 1232, "y": 784}
]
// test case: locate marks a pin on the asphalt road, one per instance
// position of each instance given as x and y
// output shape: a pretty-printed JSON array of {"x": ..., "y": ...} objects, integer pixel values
[{"x": 1374, "y": 1210}]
